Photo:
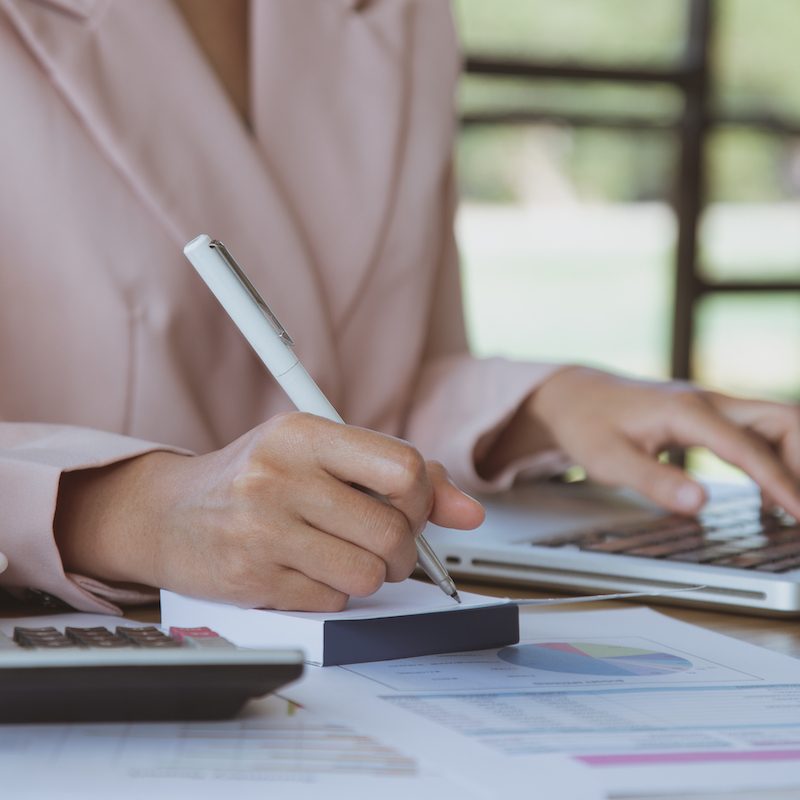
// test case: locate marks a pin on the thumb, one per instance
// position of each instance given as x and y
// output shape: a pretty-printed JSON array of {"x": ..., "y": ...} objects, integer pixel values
[
  {"x": 452, "y": 508},
  {"x": 624, "y": 464}
]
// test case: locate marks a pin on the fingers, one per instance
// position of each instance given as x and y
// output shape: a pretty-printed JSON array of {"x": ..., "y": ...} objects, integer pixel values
[
  {"x": 790, "y": 449},
  {"x": 768, "y": 503},
  {"x": 366, "y": 523},
  {"x": 778, "y": 423},
  {"x": 294, "y": 591},
  {"x": 452, "y": 508},
  {"x": 379, "y": 528},
  {"x": 383, "y": 464},
  {"x": 701, "y": 424},
  {"x": 623, "y": 464},
  {"x": 345, "y": 567},
  {"x": 387, "y": 466},
  {"x": 305, "y": 474}
]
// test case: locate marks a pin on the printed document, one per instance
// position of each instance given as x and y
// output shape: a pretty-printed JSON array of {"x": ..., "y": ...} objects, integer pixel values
[
  {"x": 640, "y": 701},
  {"x": 274, "y": 749}
]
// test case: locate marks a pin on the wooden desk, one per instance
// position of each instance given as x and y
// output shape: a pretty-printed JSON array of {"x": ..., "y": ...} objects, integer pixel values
[{"x": 781, "y": 635}]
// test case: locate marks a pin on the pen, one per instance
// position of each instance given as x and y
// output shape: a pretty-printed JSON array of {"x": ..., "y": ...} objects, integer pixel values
[{"x": 273, "y": 345}]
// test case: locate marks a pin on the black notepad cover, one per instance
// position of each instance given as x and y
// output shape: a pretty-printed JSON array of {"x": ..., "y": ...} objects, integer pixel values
[{"x": 353, "y": 641}]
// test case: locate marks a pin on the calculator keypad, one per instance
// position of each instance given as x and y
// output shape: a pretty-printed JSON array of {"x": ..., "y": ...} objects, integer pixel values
[
  {"x": 126, "y": 673},
  {"x": 199, "y": 638},
  {"x": 124, "y": 636},
  {"x": 41, "y": 638},
  {"x": 147, "y": 637},
  {"x": 95, "y": 637}
]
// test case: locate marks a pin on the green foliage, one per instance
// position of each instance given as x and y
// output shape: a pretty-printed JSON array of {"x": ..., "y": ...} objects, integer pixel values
[
  {"x": 757, "y": 56},
  {"x": 610, "y": 30},
  {"x": 756, "y": 68},
  {"x": 746, "y": 166}
]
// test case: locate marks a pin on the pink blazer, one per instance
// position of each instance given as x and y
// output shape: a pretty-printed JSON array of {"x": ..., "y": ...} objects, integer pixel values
[{"x": 118, "y": 145}]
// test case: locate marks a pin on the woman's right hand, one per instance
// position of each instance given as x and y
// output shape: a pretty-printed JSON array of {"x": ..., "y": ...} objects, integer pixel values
[{"x": 272, "y": 520}]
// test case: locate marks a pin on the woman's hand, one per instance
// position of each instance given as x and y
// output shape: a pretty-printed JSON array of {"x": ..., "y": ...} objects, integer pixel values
[
  {"x": 272, "y": 520},
  {"x": 616, "y": 428}
]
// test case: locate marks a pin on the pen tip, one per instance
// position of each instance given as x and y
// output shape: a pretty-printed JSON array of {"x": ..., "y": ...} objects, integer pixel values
[{"x": 456, "y": 597}]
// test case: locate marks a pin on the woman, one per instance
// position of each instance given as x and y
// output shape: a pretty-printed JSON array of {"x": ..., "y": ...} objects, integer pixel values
[{"x": 315, "y": 139}]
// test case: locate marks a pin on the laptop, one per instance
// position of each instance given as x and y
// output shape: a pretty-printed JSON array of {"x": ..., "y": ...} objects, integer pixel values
[{"x": 587, "y": 539}]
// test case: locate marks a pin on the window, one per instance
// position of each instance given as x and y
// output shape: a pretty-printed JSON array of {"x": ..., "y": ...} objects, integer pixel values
[{"x": 630, "y": 175}]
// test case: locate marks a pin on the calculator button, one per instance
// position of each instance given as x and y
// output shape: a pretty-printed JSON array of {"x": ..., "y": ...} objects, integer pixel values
[
  {"x": 196, "y": 633},
  {"x": 146, "y": 637},
  {"x": 198, "y": 638},
  {"x": 96, "y": 637},
  {"x": 41, "y": 637},
  {"x": 207, "y": 642}
]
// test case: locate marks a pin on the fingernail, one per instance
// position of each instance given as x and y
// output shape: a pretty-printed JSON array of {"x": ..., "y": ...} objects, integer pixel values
[{"x": 688, "y": 497}]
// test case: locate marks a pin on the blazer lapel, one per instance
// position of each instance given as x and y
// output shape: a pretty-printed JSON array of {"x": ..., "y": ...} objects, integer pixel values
[
  {"x": 158, "y": 113},
  {"x": 330, "y": 97},
  {"x": 79, "y": 9}
]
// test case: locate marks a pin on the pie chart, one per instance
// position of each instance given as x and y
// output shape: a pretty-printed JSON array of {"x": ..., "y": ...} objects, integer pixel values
[{"x": 587, "y": 658}]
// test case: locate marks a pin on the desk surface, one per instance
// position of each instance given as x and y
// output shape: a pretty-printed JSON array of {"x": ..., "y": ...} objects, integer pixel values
[{"x": 781, "y": 635}]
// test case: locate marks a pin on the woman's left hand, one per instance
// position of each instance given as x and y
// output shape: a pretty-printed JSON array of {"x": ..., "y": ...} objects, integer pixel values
[{"x": 616, "y": 428}]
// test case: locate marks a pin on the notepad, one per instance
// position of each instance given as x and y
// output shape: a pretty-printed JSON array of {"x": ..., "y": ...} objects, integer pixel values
[{"x": 400, "y": 620}]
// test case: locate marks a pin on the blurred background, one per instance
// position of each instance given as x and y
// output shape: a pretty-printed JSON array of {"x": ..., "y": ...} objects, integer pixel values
[{"x": 630, "y": 181}]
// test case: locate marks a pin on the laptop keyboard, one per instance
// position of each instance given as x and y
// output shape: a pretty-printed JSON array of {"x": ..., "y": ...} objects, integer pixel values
[{"x": 736, "y": 533}]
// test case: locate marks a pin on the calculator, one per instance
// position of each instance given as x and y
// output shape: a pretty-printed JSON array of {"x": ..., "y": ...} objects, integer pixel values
[{"x": 133, "y": 673}]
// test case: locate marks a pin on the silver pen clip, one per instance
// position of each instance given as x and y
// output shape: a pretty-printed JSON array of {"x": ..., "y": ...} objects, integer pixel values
[{"x": 252, "y": 291}]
